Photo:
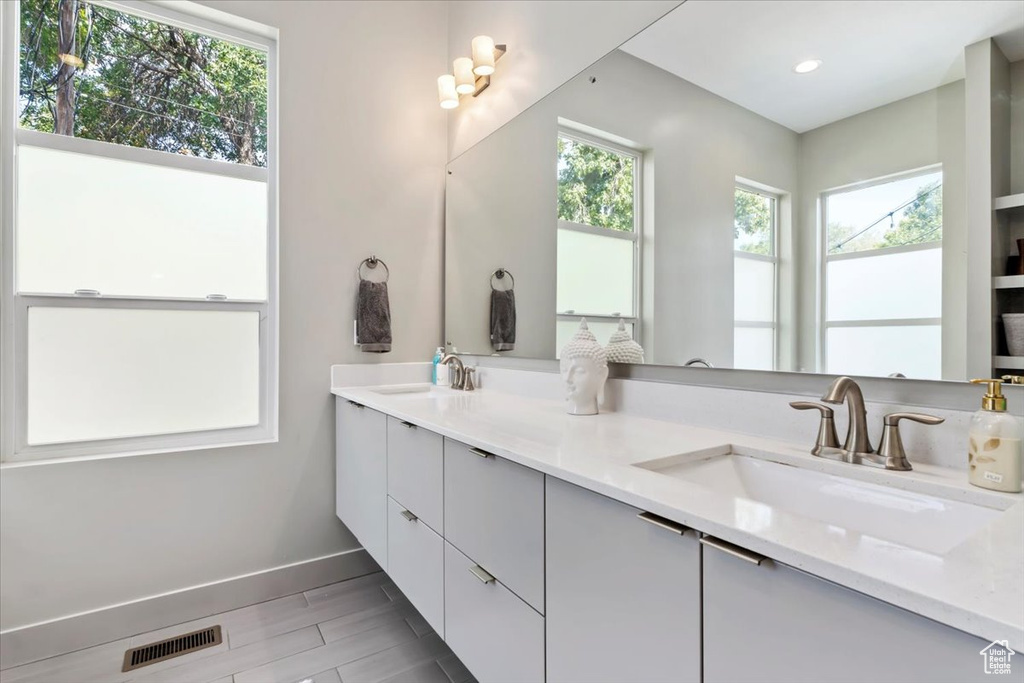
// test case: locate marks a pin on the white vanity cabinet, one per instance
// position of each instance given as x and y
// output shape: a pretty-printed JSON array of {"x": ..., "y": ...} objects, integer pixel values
[
  {"x": 416, "y": 563},
  {"x": 361, "y": 475},
  {"x": 415, "y": 471},
  {"x": 769, "y": 622},
  {"x": 623, "y": 592}
]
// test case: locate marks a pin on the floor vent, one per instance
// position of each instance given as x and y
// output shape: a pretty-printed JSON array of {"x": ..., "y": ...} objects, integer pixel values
[{"x": 172, "y": 647}]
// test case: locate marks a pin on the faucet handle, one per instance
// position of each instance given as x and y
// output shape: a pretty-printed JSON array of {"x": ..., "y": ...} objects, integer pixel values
[
  {"x": 468, "y": 385},
  {"x": 891, "y": 447},
  {"x": 827, "y": 437}
]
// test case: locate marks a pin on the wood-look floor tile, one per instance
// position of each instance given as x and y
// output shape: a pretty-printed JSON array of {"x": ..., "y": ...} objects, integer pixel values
[
  {"x": 391, "y": 590},
  {"x": 364, "y": 620},
  {"x": 418, "y": 624},
  {"x": 428, "y": 672},
  {"x": 389, "y": 663},
  {"x": 333, "y": 654},
  {"x": 456, "y": 670},
  {"x": 330, "y": 676},
  {"x": 240, "y": 658},
  {"x": 100, "y": 663},
  {"x": 333, "y": 590}
]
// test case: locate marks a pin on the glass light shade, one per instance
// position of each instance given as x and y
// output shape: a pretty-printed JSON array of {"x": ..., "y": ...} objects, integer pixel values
[
  {"x": 446, "y": 93},
  {"x": 465, "y": 81},
  {"x": 483, "y": 55}
]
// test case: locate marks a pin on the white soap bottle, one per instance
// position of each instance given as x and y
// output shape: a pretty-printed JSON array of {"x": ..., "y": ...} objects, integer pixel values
[{"x": 994, "y": 445}]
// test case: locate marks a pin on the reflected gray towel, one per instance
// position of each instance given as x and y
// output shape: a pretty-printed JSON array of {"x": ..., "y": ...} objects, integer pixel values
[
  {"x": 503, "y": 320},
  {"x": 373, "y": 317}
]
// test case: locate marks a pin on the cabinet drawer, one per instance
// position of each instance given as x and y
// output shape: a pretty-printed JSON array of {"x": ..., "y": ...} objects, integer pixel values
[
  {"x": 361, "y": 473},
  {"x": 415, "y": 471},
  {"x": 416, "y": 563},
  {"x": 495, "y": 634},
  {"x": 494, "y": 513}
]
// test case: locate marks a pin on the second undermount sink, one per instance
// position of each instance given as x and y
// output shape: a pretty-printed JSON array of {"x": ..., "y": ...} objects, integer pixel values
[
  {"x": 924, "y": 522},
  {"x": 406, "y": 389}
]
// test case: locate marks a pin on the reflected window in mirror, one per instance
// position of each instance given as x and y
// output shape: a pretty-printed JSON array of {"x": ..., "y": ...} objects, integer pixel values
[
  {"x": 755, "y": 276},
  {"x": 882, "y": 277},
  {"x": 598, "y": 260}
]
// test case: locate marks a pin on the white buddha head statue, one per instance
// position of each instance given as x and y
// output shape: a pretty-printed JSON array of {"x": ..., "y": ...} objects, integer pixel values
[
  {"x": 622, "y": 348},
  {"x": 584, "y": 366}
]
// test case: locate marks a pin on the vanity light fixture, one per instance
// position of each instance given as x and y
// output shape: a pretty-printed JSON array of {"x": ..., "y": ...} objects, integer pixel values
[
  {"x": 471, "y": 75},
  {"x": 807, "y": 66}
]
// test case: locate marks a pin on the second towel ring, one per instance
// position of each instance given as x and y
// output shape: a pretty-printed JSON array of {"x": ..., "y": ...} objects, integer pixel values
[
  {"x": 500, "y": 274},
  {"x": 372, "y": 263}
]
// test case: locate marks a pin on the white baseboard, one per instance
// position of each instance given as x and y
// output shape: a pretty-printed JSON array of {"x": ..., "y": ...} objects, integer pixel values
[{"x": 77, "y": 631}]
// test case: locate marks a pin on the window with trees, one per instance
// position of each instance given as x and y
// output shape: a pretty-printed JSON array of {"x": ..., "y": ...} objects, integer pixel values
[
  {"x": 140, "y": 229},
  {"x": 882, "y": 276},
  {"x": 599, "y": 236},
  {"x": 755, "y": 274}
]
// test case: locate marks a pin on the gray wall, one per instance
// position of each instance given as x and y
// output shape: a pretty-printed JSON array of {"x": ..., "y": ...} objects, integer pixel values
[{"x": 918, "y": 131}]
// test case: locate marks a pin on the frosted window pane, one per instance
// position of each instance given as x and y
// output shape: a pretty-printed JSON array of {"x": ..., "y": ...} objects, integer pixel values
[
  {"x": 565, "y": 329},
  {"x": 914, "y": 350},
  {"x": 905, "y": 285},
  {"x": 754, "y": 290},
  {"x": 754, "y": 348},
  {"x": 120, "y": 227},
  {"x": 595, "y": 274},
  {"x": 106, "y": 373}
]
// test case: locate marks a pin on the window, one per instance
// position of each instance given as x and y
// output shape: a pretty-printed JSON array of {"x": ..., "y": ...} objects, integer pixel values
[
  {"x": 883, "y": 278},
  {"x": 598, "y": 237},
  {"x": 755, "y": 268},
  {"x": 139, "y": 187}
]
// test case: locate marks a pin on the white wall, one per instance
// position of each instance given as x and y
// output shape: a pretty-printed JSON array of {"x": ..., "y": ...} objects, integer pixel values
[
  {"x": 362, "y": 167},
  {"x": 549, "y": 42},
  {"x": 502, "y": 202},
  {"x": 911, "y": 133}
]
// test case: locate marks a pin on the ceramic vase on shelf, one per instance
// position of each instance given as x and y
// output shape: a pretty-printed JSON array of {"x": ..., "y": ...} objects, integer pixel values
[
  {"x": 622, "y": 348},
  {"x": 584, "y": 366}
]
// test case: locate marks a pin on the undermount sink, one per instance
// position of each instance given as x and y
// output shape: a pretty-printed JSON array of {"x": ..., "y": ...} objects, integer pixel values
[
  {"x": 413, "y": 391},
  {"x": 915, "y": 520}
]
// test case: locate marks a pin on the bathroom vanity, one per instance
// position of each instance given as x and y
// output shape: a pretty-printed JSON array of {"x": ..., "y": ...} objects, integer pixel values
[{"x": 545, "y": 546}]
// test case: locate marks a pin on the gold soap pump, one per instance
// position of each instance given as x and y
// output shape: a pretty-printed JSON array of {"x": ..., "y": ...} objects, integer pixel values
[{"x": 994, "y": 443}]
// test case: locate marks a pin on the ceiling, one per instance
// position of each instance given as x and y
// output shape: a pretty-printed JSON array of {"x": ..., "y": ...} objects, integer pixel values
[{"x": 873, "y": 52}]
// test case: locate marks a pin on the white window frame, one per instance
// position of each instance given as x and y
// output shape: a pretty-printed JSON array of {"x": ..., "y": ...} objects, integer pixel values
[
  {"x": 636, "y": 236},
  {"x": 824, "y": 258},
  {"x": 14, "y": 319},
  {"x": 774, "y": 260}
]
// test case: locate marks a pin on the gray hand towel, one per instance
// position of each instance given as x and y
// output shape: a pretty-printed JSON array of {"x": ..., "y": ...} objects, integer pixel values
[
  {"x": 373, "y": 317},
  {"x": 503, "y": 320}
]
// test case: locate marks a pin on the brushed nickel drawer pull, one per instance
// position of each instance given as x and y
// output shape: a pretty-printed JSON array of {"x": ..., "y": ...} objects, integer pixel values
[
  {"x": 357, "y": 405},
  {"x": 408, "y": 425},
  {"x": 409, "y": 517},
  {"x": 481, "y": 573},
  {"x": 482, "y": 454},
  {"x": 734, "y": 550},
  {"x": 663, "y": 523}
]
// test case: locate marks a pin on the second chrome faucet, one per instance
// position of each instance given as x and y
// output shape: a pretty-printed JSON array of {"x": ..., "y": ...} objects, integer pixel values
[{"x": 857, "y": 446}]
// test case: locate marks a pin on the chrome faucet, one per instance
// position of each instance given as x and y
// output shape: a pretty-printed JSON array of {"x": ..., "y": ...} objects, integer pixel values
[
  {"x": 858, "y": 442},
  {"x": 461, "y": 373}
]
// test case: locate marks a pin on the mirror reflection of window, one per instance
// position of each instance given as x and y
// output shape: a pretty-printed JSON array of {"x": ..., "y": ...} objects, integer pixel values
[
  {"x": 883, "y": 277},
  {"x": 598, "y": 236},
  {"x": 755, "y": 268}
]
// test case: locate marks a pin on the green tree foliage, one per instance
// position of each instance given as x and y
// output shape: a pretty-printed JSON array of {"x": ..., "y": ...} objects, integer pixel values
[
  {"x": 141, "y": 83},
  {"x": 752, "y": 230},
  {"x": 919, "y": 222},
  {"x": 595, "y": 186}
]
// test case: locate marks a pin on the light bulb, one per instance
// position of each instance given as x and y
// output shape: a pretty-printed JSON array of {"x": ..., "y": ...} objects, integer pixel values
[
  {"x": 483, "y": 55},
  {"x": 446, "y": 93},
  {"x": 807, "y": 66},
  {"x": 465, "y": 81}
]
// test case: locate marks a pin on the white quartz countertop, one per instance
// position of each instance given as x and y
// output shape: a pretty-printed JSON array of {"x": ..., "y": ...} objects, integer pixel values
[{"x": 976, "y": 586}]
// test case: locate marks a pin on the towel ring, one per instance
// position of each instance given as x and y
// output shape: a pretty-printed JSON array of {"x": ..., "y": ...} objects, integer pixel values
[
  {"x": 500, "y": 274},
  {"x": 372, "y": 263}
]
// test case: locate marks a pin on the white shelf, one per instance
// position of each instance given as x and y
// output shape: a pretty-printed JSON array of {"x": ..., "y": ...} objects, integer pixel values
[
  {"x": 1008, "y": 362},
  {"x": 1010, "y": 201},
  {"x": 1008, "y": 282}
]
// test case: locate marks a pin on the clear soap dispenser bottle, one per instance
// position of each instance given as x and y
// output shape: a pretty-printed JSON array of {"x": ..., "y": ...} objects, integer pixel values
[{"x": 994, "y": 455}]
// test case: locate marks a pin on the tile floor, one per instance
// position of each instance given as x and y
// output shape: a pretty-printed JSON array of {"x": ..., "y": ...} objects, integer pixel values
[{"x": 358, "y": 631}]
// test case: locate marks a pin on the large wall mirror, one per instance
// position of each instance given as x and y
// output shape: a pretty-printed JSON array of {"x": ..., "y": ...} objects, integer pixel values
[{"x": 789, "y": 186}]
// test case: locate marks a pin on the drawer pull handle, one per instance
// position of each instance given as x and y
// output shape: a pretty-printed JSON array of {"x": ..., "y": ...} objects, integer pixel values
[
  {"x": 663, "y": 523},
  {"x": 734, "y": 550},
  {"x": 480, "y": 573},
  {"x": 357, "y": 405},
  {"x": 482, "y": 454},
  {"x": 409, "y": 517},
  {"x": 408, "y": 425}
]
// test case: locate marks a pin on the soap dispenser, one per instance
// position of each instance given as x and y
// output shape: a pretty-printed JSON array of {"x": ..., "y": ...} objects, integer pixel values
[{"x": 994, "y": 455}]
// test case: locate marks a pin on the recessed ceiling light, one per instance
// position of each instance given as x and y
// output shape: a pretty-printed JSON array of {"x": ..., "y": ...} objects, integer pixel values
[{"x": 807, "y": 67}]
